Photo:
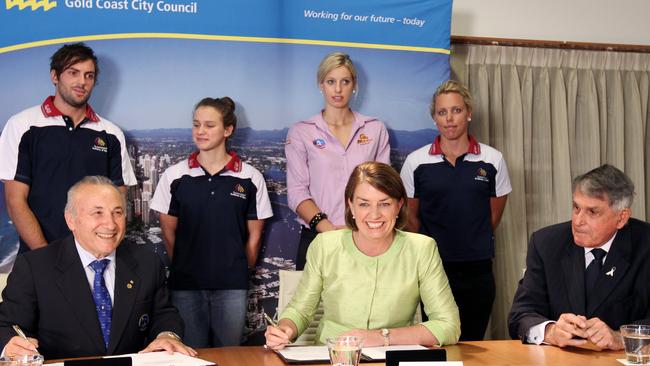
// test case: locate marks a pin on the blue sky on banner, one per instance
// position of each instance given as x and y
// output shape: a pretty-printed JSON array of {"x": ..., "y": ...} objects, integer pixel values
[
  {"x": 151, "y": 80},
  {"x": 145, "y": 84}
]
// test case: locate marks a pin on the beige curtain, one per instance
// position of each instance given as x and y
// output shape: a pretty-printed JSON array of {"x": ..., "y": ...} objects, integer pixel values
[{"x": 554, "y": 114}]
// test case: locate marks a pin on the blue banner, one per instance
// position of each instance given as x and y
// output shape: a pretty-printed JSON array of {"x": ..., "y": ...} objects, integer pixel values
[
  {"x": 414, "y": 25},
  {"x": 158, "y": 58}
]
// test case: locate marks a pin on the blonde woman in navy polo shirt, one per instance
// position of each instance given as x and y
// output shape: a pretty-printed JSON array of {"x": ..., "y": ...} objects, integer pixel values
[
  {"x": 212, "y": 208},
  {"x": 457, "y": 189}
]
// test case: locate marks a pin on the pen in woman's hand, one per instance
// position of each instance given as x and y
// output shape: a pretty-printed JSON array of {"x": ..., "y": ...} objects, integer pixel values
[
  {"x": 269, "y": 320},
  {"x": 272, "y": 323}
]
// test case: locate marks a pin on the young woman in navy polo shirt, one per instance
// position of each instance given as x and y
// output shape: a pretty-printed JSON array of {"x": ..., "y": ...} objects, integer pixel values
[
  {"x": 212, "y": 208},
  {"x": 457, "y": 189}
]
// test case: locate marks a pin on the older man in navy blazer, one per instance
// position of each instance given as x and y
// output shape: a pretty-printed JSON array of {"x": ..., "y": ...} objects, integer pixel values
[
  {"x": 70, "y": 306},
  {"x": 587, "y": 277}
]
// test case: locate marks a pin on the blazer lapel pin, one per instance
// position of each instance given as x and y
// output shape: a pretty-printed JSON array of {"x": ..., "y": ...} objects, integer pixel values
[
  {"x": 610, "y": 273},
  {"x": 130, "y": 284}
]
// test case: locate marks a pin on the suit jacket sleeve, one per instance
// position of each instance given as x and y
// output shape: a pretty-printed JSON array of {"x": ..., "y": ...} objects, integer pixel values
[
  {"x": 19, "y": 305},
  {"x": 531, "y": 303},
  {"x": 165, "y": 317}
]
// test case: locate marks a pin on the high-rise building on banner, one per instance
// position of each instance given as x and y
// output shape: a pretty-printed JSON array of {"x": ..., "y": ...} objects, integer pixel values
[
  {"x": 137, "y": 207},
  {"x": 147, "y": 187},
  {"x": 153, "y": 176},
  {"x": 146, "y": 214},
  {"x": 146, "y": 165}
]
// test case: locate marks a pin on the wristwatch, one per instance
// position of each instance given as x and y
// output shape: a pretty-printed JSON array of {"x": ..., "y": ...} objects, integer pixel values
[
  {"x": 386, "y": 334},
  {"x": 170, "y": 334}
]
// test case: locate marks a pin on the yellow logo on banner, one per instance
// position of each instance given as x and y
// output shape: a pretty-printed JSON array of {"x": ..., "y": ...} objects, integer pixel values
[{"x": 34, "y": 4}]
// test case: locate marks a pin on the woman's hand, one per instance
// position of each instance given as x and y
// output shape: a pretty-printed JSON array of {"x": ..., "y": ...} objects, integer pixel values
[
  {"x": 371, "y": 338},
  {"x": 278, "y": 337}
]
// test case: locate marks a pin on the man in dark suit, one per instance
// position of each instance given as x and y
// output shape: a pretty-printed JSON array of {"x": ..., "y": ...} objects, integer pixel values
[
  {"x": 58, "y": 296},
  {"x": 568, "y": 297}
]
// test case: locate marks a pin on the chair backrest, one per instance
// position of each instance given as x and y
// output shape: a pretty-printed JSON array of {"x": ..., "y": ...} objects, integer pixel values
[
  {"x": 417, "y": 318},
  {"x": 288, "y": 283}
]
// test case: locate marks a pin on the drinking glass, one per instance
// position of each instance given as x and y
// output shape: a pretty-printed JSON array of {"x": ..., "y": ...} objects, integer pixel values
[
  {"x": 31, "y": 360},
  {"x": 636, "y": 339},
  {"x": 345, "y": 350}
]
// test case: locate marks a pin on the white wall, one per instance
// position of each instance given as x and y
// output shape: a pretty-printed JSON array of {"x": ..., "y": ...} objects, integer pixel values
[{"x": 597, "y": 21}]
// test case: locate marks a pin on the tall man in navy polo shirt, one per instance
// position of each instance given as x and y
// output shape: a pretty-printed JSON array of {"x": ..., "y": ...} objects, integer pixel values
[
  {"x": 457, "y": 190},
  {"x": 47, "y": 148}
]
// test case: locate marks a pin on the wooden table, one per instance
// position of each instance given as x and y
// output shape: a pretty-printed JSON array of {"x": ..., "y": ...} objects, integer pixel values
[{"x": 484, "y": 353}]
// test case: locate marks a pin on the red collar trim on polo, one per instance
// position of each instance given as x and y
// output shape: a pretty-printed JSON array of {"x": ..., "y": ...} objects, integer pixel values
[
  {"x": 473, "y": 148},
  {"x": 49, "y": 110},
  {"x": 233, "y": 165}
]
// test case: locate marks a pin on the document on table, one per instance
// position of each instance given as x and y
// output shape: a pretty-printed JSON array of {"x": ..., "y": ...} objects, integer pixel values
[
  {"x": 159, "y": 359},
  {"x": 297, "y": 354},
  {"x": 320, "y": 353}
]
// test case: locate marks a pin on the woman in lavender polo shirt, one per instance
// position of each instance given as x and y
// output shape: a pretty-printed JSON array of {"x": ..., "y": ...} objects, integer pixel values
[{"x": 323, "y": 150}]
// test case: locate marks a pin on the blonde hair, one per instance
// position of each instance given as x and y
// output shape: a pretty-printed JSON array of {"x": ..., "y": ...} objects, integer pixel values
[
  {"x": 452, "y": 86},
  {"x": 331, "y": 62}
]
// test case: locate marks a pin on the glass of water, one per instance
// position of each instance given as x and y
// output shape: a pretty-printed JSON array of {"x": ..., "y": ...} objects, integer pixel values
[
  {"x": 32, "y": 360},
  {"x": 636, "y": 339},
  {"x": 345, "y": 350}
]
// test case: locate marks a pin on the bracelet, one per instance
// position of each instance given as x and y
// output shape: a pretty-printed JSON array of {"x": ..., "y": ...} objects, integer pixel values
[{"x": 316, "y": 219}]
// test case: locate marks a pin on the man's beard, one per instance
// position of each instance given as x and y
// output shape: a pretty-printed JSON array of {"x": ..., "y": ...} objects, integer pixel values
[{"x": 70, "y": 100}]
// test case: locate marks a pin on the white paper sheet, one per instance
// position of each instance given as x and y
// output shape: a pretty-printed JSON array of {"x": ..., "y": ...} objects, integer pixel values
[
  {"x": 379, "y": 353},
  {"x": 316, "y": 353},
  {"x": 305, "y": 353}
]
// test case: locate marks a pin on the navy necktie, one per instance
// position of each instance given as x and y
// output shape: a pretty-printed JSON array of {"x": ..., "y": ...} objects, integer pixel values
[
  {"x": 594, "y": 270},
  {"x": 102, "y": 298}
]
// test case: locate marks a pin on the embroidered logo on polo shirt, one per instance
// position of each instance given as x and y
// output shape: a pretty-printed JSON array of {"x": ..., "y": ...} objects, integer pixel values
[
  {"x": 100, "y": 145},
  {"x": 319, "y": 143},
  {"x": 239, "y": 192},
  {"x": 363, "y": 139},
  {"x": 481, "y": 175}
]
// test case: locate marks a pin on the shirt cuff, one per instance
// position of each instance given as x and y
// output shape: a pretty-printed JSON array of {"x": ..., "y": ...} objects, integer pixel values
[{"x": 535, "y": 334}]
